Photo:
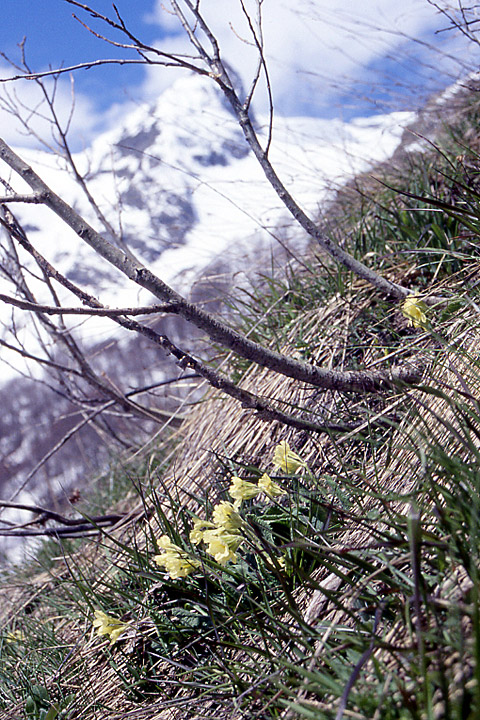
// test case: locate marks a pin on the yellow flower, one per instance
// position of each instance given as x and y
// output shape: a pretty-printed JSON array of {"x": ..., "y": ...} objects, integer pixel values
[
  {"x": 271, "y": 489},
  {"x": 222, "y": 545},
  {"x": 226, "y": 517},
  {"x": 175, "y": 560},
  {"x": 15, "y": 636},
  {"x": 413, "y": 308},
  {"x": 242, "y": 490},
  {"x": 221, "y": 536},
  {"x": 286, "y": 459},
  {"x": 109, "y": 625},
  {"x": 280, "y": 562},
  {"x": 199, "y": 527}
]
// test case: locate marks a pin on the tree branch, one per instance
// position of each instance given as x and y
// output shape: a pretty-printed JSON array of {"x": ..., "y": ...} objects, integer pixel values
[
  {"x": 263, "y": 407},
  {"x": 79, "y": 66},
  {"x": 221, "y": 77},
  {"x": 102, "y": 311},
  {"x": 61, "y": 334},
  {"x": 68, "y": 527},
  {"x": 46, "y": 514}
]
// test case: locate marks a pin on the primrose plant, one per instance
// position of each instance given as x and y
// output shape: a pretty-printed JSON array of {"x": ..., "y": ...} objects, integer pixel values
[{"x": 226, "y": 537}]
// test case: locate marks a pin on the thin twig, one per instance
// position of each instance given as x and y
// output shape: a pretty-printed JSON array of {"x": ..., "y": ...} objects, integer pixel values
[
  {"x": 46, "y": 514},
  {"x": 103, "y": 311}
]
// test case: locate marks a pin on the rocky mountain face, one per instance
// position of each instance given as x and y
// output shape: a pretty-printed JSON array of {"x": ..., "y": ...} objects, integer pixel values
[{"x": 180, "y": 191}]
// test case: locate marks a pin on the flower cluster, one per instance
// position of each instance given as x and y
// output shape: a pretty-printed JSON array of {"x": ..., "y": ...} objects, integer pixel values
[
  {"x": 413, "y": 308},
  {"x": 176, "y": 561},
  {"x": 109, "y": 625},
  {"x": 222, "y": 536}
]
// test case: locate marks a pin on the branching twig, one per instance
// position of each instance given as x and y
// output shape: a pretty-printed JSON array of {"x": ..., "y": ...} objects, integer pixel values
[
  {"x": 66, "y": 528},
  {"x": 261, "y": 65},
  {"x": 263, "y": 407},
  {"x": 102, "y": 311},
  {"x": 46, "y": 514},
  {"x": 62, "y": 335}
]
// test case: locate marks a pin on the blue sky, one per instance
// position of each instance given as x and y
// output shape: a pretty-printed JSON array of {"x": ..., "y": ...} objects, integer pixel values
[
  {"x": 327, "y": 58},
  {"x": 54, "y": 38}
]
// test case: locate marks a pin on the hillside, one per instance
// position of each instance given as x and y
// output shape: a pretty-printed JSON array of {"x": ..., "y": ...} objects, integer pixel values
[{"x": 344, "y": 581}]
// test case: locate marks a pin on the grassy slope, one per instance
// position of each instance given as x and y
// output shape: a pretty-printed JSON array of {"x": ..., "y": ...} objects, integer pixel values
[{"x": 375, "y": 613}]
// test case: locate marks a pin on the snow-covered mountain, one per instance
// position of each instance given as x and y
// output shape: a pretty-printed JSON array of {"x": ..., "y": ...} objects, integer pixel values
[
  {"x": 178, "y": 184},
  {"x": 179, "y": 187}
]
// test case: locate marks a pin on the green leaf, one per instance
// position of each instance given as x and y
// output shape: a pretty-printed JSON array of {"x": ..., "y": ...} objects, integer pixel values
[
  {"x": 52, "y": 713},
  {"x": 30, "y": 706}
]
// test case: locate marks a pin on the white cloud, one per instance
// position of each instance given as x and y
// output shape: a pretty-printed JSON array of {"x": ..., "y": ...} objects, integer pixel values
[
  {"x": 161, "y": 15},
  {"x": 24, "y": 114},
  {"x": 312, "y": 46}
]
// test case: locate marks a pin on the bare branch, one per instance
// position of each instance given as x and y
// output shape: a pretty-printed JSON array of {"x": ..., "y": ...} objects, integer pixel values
[
  {"x": 262, "y": 406},
  {"x": 57, "y": 446},
  {"x": 67, "y": 527},
  {"x": 46, "y": 514},
  {"x": 40, "y": 360},
  {"x": 72, "y": 68},
  {"x": 194, "y": 9},
  {"x": 87, "y": 372},
  {"x": 220, "y": 75},
  {"x": 103, "y": 311},
  {"x": 262, "y": 65},
  {"x": 32, "y": 198}
]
